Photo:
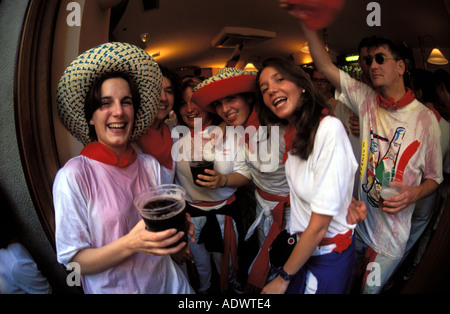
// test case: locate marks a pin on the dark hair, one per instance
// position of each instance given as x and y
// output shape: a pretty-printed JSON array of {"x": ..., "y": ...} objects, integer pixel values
[
  {"x": 365, "y": 42},
  {"x": 376, "y": 42},
  {"x": 423, "y": 80},
  {"x": 175, "y": 81},
  {"x": 94, "y": 98},
  {"x": 309, "y": 111},
  {"x": 442, "y": 77},
  {"x": 185, "y": 84}
]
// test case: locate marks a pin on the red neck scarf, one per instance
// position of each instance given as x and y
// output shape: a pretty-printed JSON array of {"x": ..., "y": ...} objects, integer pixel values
[
  {"x": 251, "y": 121},
  {"x": 290, "y": 133},
  {"x": 204, "y": 126},
  {"x": 392, "y": 104},
  {"x": 100, "y": 152},
  {"x": 158, "y": 143}
]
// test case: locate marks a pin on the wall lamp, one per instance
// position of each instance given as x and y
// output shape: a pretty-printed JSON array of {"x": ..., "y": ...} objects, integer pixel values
[{"x": 436, "y": 56}]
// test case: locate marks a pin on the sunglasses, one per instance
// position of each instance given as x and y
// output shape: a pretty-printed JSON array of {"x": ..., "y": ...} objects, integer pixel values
[{"x": 379, "y": 58}]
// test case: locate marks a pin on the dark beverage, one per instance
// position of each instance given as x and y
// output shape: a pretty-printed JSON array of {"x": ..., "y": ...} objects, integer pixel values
[
  {"x": 163, "y": 213},
  {"x": 198, "y": 167}
]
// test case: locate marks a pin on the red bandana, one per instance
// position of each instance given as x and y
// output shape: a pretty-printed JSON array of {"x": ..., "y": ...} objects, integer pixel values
[
  {"x": 204, "y": 126},
  {"x": 251, "y": 121},
  {"x": 158, "y": 143},
  {"x": 392, "y": 104},
  {"x": 290, "y": 133},
  {"x": 100, "y": 152}
]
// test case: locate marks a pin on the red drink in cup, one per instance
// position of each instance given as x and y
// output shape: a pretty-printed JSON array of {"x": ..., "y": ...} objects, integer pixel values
[{"x": 162, "y": 208}]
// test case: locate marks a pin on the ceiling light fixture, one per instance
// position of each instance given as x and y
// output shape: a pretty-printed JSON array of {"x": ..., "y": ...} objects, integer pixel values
[
  {"x": 145, "y": 37},
  {"x": 436, "y": 57},
  {"x": 250, "y": 67}
]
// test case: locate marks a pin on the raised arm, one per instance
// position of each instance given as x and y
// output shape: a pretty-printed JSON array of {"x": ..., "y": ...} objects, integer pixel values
[{"x": 320, "y": 55}]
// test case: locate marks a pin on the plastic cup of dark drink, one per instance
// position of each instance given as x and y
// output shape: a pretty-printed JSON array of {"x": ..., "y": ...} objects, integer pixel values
[
  {"x": 162, "y": 208},
  {"x": 198, "y": 167}
]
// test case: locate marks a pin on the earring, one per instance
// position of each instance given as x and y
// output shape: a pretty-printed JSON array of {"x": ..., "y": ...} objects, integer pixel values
[{"x": 91, "y": 122}]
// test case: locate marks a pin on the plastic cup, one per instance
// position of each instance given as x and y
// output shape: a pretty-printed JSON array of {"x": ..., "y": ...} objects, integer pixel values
[
  {"x": 387, "y": 190},
  {"x": 199, "y": 167},
  {"x": 162, "y": 208}
]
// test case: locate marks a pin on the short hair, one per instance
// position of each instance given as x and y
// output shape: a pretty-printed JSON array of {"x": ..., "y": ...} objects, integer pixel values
[
  {"x": 423, "y": 80},
  {"x": 364, "y": 43},
  {"x": 442, "y": 77},
  {"x": 376, "y": 42},
  {"x": 94, "y": 98}
]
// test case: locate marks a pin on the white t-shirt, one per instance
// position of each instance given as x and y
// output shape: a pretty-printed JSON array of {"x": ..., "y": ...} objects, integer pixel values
[
  {"x": 94, "y": 207},
  {"x": 323, "y": 183},
  {"x": 225, "y": 162},
  {"x": 407, "y": 139}
]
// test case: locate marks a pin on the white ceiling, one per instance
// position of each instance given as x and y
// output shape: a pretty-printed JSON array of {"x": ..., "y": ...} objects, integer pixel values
[{"x": 182, "y": 30}]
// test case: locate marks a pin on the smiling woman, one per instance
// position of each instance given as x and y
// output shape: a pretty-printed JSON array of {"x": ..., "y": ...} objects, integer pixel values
[{"x": 33, "y": 134}]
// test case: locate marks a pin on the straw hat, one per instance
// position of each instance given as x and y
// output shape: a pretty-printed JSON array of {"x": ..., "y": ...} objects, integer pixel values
[
  {"x": 81, "y": 74},
  {"x": 227, "y": 81}
]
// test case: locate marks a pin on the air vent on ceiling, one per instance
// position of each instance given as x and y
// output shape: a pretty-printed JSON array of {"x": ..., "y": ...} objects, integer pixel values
[{"x": 230, "y": 37}]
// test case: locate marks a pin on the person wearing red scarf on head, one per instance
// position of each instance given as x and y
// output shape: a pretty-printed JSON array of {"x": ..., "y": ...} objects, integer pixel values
[
  {"x": 210, "y": 195},
  {"x": 231, "y": 93},
  {"x": 398, "y": 134},
  {"x": 106, "y": 102}
]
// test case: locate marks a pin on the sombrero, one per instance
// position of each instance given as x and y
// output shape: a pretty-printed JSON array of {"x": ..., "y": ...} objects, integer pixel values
[
  {"x": 81, "y": 74},
  {"x": 227, "y": 81}
]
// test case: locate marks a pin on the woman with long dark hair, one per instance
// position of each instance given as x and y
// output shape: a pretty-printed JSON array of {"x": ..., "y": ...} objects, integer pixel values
[{"x": 320, "y": 168}]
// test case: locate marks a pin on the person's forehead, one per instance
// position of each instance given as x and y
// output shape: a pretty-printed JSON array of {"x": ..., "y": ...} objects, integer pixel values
[
  {"x": 318, "y": 74},
  {"x": 380, "y": 49}
]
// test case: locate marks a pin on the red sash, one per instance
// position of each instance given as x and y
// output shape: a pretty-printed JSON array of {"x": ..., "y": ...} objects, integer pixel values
[
  {"x": 342, "y": 241},
  {"x": 260, "y": 270}
]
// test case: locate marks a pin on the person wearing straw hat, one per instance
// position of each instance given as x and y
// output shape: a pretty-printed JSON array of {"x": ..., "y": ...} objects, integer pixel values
[
  {"x": 106, "y": 98},
  {"x": 231, "y": 93},
  {"x": 211, "y": 199}
]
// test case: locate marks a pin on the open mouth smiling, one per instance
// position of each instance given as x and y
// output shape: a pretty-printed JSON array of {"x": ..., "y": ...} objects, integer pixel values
[{"x": 279, "y": 101}]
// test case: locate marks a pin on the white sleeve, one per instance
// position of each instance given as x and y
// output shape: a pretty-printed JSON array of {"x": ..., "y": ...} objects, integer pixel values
[
  {"x": 335, "y": 167},
  {"x": 70, "y": 202}
]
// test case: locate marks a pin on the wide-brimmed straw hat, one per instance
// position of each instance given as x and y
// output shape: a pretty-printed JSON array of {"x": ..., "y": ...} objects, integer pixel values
[
  {"x": 82, "y": 73},
  {"x": 227, "y": 81}
]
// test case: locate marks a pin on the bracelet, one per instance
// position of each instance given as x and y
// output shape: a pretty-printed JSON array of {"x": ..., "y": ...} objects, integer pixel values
[
  {"x": 283, "y": 274},
  {"x": 226, "y": 181}
]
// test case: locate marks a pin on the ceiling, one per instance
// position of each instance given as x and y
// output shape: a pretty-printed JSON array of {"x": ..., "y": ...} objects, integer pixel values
[{"x": 181, "y": 31}]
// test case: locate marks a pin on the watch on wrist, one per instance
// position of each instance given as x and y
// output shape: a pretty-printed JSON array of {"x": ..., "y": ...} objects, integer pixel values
[{"x": 280, "y": 271}]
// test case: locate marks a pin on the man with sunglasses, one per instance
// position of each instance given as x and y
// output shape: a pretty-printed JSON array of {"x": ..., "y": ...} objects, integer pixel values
[{"x": 398, "y": 134}]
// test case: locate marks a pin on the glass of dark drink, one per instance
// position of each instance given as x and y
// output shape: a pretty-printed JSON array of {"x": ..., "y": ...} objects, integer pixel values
[
  {"x": 199, "y": 167},
  {"x": 162, "y": 208}
]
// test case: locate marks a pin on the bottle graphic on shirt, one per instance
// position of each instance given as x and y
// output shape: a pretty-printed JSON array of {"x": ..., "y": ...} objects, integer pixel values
[
  {"x": 371, "y": 166},
  {"x": 388, "y": 161}
]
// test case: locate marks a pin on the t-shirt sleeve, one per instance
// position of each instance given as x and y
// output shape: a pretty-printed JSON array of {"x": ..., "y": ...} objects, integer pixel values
[
  {"x": 335, "y": 167},
  {"x": 70, "y": 202}
]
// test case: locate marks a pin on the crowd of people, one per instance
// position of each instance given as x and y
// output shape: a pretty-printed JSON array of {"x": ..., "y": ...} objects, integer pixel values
[{"x": 311, "y": 223}]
